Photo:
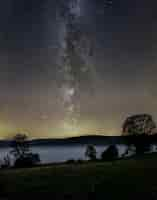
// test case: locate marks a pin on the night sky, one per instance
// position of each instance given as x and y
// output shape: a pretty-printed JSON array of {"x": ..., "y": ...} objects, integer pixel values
[{"x": 113, "y": 70}]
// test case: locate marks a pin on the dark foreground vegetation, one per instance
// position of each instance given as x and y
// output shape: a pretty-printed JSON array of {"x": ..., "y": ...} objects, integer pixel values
[
  {"x": 109, "y": 177},
  {"x": 131, "y": 178}
]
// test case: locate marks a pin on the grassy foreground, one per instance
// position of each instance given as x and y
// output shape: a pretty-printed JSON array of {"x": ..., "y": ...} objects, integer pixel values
[{"x": 123, "y": 179}]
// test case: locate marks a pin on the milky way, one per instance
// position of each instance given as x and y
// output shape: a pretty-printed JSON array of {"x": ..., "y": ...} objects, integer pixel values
[{"x": 74, "y": 68}]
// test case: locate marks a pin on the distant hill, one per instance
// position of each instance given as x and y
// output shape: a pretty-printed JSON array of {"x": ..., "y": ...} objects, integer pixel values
[
  {"x": 4, "y": 143},
  {"x": 82, "y": 140}
]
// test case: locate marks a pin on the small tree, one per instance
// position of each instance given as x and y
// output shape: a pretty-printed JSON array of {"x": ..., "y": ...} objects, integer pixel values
[
  {"x": 111, "y": 153},
  {"x": 90, "y": 152},
  {"x": 6, "y": 163},
  {"x": 21, "y": 151},
  {"x": 20, "y": 145}
]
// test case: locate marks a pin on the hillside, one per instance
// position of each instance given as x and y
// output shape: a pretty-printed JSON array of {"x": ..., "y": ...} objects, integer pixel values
[{"x": 134, "y": 178}]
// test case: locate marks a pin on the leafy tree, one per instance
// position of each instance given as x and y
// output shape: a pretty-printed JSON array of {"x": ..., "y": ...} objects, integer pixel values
[
  {"x": 111, "y": 153},
  {"x": 141, "y": 124},
  {"x": 90, "y": 152},
  {"x": 137, "y": 129}
]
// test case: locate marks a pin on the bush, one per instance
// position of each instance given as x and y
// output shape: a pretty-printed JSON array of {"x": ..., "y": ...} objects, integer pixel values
[
  {"x": 28, "y": 160},
  {"x": 111, "y": 153},
  {"x": 80, "y": 161},
  {"x": 70, "y": 161}
]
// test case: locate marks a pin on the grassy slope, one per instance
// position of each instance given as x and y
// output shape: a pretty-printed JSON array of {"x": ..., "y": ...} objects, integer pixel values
[{"x": 123, "y": 179}]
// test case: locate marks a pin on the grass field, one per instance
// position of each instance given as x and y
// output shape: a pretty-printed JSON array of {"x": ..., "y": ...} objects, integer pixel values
[{"x": 123, "y": 179}]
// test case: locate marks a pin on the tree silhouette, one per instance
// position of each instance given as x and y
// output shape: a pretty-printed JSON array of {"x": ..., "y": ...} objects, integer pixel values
[
  {"x": 90, "y": 152},
  {"x": 138, "y": 128},
  {"x": 20, "y": 145},
  {"x": 6, "y": 163},
  {"x": 141, "y": 124},
  {"x": 22, "y": 153}
]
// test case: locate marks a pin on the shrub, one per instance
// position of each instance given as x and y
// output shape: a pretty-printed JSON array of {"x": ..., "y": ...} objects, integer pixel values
[
  {"x": 111, "y": 153},
  {"x": 70, "y": 161},
  {"x": 28, "y": 160}
]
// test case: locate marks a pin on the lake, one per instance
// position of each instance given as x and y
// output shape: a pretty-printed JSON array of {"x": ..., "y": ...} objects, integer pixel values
[{"x": 49, "y": 154}]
